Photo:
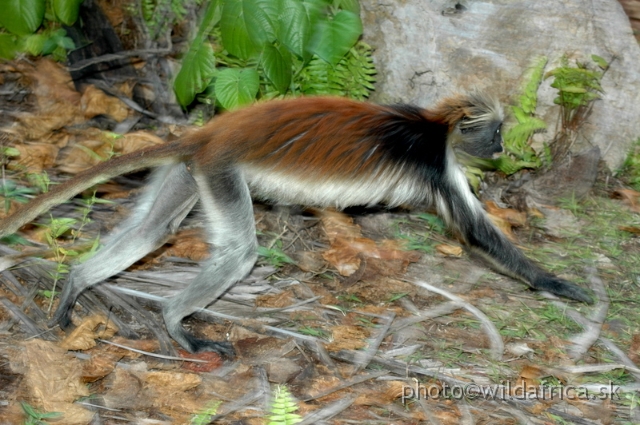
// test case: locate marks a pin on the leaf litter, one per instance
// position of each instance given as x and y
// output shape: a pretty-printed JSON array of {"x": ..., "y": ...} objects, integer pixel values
[{"x": 356, "y": 329}]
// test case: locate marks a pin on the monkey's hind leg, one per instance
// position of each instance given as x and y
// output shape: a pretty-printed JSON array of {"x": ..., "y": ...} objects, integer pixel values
[
  {"x": 227, "y": 204},
  {"x": 170, "y": 197}
]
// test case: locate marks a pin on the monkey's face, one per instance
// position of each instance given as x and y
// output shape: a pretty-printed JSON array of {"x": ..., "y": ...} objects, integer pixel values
[{"x": 480, "y": 139}]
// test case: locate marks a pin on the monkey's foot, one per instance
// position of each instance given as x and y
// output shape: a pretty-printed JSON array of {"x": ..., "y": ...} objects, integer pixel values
[
  {"x": 562, "y": 288},
  {"x": 62, "y": 316},
  {"x": 223, "y": 348}
]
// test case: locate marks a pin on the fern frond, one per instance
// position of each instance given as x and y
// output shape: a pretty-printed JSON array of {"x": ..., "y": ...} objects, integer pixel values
[{"x": 282, "y": 408}]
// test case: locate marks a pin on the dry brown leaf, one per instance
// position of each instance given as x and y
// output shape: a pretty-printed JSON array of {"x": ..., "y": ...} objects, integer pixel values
[
  {"x": 337, "y": 224},
  {"x": 511, "y": 216},
  {"x": 634, "y": 349},
  {"x": 114, "y": 11},
  {"x": 84, "y": 336},
  {"x": 56, "y": 98},
  {"x": 39, "y": 125},
  {"x": 100, "y": 365},
  {"x": 169, "y": 392},
  {"x": 535, "y": 212},
  {"x": 631, "y": 229},
  {"x": 309, "y": 261},
  {"x": 35, "y": 157},
  {"x": 171, "y": 381},
  {"x": 390, "y": 249},
  {"x": 85, "y": 154},
  {"x": 503, "y": 225},
  {"x": 135, "y": 141},
  {"x": 346, "y": 254},
  {"x": 381, "y": 394},
  {"x": 213, "y": 361},
  {"x": 190, "y": 244},
  {"x": 96, "y": 102},
  {"x": 13, "y": 206},
  {"x": 283, "y": 299},
  {"x": 629, "y": 197},
  {"x": 53, "y": 83},
  {"x": 343, "y": 256},
  {"x": 449, "y": 250},
  {"x": 53, "y": 381},
  {"x": 347, "y": 337}
]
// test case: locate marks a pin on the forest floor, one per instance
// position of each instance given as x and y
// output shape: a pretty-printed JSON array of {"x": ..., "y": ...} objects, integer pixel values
[{"x": 368, "y": 317}]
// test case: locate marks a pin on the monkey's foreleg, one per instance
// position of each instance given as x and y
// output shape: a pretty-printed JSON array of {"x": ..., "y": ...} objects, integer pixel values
[
  {"x": 464, "y": 212},
  {"x": 170, "y": 197},
  {"x": 227, "y": 204}
]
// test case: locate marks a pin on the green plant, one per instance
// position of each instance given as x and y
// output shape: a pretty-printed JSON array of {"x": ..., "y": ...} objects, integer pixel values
[
  {"x": 61, "y": 255},
  {"x": 21, "y": 20},
  {"x": 37, "y": 418},
  {"x": 517, "y": 139},
  {"x": 274, "y": 255},
  {"x": 308, "y": 330},
  {"x": 160, "y": 15},
  {"x": 204, "y": 417},
  {"x": 578, "y": 87},
  {"x": 10, "y": 191},
  {"x": 248, "y": 49},
  {"x": 283, "y": 407},
  {"x": 631, "y": 167}
]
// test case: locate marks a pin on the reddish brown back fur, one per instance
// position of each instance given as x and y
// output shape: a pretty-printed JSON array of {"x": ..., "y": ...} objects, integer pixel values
[{"x": 321, "y": 136}]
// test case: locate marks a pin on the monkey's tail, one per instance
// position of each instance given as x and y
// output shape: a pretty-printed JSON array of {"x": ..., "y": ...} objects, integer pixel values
[{"x": 146, "y": 158}]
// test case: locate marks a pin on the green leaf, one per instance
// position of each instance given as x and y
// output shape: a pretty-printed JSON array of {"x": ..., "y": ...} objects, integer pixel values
[
  {"x": 246, "y": 25},
  {"x": 198, "y": 67},
  {"x": 199, "y": 64},
  {"x": 8, "y": 46},
  {"x": 261, "y": 17},
  {"x": 236, "y": 87},
  {"x": 9, "y": 151},
  {"x": 333, "y": 38},
  {"x": 600, "y": 61},
  {"x": 234, "y": 31},
  {"x": 573, "y": 89},
  {"x": 66, "y": 10},
  {"x": 350, "y": 5},
  {"x": 22, "y": 17},
  {"x": 34, "y": 43},
  {"x": 276, "y": 63},
  {"x": 294, "y": 27}
]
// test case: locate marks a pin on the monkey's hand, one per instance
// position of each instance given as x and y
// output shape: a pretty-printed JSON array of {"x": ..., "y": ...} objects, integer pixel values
[
  {"x": 221, "y": 347},
  {"x": 62, "y": 317},
  {"x": 561, "y": 287}
]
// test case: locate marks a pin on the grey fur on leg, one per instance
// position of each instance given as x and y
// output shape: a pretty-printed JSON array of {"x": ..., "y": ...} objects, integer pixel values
[
  {"x": 170, "y": 197},
  {"x": 229, "y": 211}
]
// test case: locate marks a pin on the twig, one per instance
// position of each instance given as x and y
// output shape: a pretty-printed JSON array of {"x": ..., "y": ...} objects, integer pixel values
[
  {"x": 147, "y": 353},
  {"x": 584, "y": 340},
  {"x": 317, "y": 416},
  {"x": 348, "y": 383},
  {"x": 374, "y": 343},
  {"x": 115, "y": 56},
  {"x": 495, "y": 340}
]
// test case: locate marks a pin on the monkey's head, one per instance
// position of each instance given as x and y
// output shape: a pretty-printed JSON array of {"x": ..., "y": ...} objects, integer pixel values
[{"x": 479, "y": 130}]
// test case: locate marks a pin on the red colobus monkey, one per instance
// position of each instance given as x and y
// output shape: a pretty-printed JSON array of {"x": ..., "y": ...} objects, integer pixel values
[{"x": 310, "y": 151}]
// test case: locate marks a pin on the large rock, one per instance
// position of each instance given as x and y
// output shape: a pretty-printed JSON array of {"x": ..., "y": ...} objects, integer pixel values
[{"x": 426, "y": 50}]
